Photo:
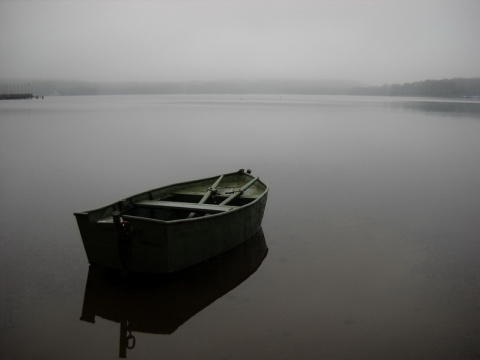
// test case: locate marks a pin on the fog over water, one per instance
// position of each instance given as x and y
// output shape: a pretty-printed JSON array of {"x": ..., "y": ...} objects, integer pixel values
[
  {"x": 371, "y": 227},
  {"x": 369, "y": 41}
]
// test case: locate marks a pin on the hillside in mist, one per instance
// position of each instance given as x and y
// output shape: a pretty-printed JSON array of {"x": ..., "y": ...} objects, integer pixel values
[
  {"x": 449, "y": 88},
  {"x": 187, "y": 87},
  {"x": 446, "y": 88}
]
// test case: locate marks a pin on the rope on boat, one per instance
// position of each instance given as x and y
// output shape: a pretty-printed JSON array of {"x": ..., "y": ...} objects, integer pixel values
[{"x": 124, "y": 234}]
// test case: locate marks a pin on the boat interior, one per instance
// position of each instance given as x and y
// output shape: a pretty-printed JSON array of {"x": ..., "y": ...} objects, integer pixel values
[
  {"x": 184, "y": 205},
  {"x": 192, "y": 200}
]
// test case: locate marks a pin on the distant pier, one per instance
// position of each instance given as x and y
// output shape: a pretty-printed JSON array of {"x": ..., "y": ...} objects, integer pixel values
[
  {"x": 16, "y": 96},
  {"x": 17, "y": 91}
]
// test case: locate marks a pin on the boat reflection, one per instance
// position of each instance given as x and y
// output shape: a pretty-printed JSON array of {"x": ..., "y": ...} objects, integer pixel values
[{"x": 161, "y": 304}]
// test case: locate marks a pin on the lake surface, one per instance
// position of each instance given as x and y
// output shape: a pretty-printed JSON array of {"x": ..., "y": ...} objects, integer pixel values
[{"x": 372, "y": 228}]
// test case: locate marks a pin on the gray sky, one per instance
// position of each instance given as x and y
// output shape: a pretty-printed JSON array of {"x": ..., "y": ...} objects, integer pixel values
[{"x": 371, "y": 41}]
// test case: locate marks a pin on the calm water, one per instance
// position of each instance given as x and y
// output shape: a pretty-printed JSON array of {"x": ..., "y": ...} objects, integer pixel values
[{"x": 372, "y": 228}]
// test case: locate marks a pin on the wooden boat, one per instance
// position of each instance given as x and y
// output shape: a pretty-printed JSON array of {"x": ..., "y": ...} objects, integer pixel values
[{"x": 173, "y": 227}]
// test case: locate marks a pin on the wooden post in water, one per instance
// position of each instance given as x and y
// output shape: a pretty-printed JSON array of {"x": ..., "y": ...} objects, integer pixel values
[{"x": 122, "y": 353}]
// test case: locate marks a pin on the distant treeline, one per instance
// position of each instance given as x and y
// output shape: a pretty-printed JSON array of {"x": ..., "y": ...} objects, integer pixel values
[
  {"x": 192, "y": 87},
  {"x": 452, "y": 88}
]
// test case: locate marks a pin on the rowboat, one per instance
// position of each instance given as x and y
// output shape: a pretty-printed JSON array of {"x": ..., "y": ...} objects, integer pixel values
[{"x": 171, "y": 228}]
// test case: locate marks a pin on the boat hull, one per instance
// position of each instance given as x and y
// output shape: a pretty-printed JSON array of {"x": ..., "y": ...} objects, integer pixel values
[{"x": 161, "y": 246}]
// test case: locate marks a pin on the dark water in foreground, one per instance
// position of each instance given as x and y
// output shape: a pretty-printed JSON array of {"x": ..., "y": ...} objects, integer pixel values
[{"x": 372, "y": 228}]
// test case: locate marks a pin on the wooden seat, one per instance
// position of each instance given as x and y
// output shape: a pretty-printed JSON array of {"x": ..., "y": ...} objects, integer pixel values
[
  {"x": 185, "y": 206},
  {"x": 219, "y": 195}
]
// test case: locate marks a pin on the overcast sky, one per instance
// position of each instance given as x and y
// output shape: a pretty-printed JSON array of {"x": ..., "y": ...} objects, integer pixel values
[{"x": 371, "y": 41}]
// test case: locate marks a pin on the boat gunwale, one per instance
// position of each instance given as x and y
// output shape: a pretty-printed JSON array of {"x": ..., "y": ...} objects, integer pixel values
[{"x": 186, "y": 220}]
